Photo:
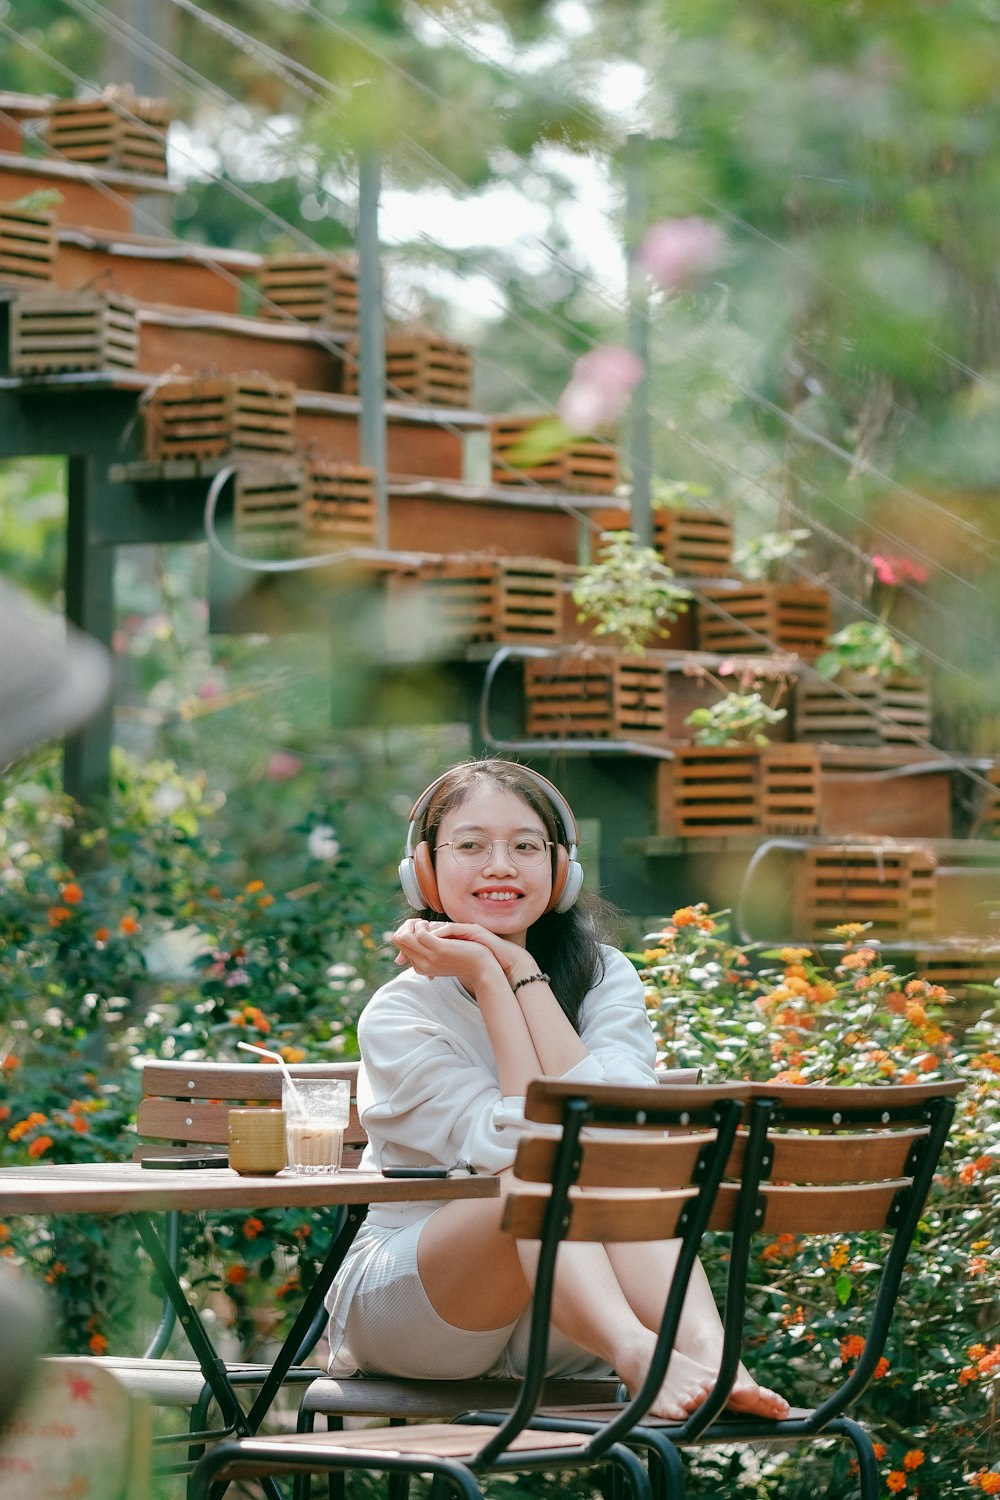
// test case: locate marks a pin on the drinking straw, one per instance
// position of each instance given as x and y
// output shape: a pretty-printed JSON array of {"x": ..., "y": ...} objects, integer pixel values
[{"x": 296, "y": 1097}]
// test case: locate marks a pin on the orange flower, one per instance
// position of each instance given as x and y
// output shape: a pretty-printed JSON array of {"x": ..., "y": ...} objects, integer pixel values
[
  {"x": 57, "y": 1269},
  {"x": 71, "y": 893},
  {"x": 58, "y": 915},
  {"x": 80, "y": 1125},
  {"x": 40, "y": 1145},
  {"x": 128, "y": 925},
  {"x": 101, "y": 935},
  {"x": 10, "y": 1063},
  {"x": 879, "y": 1451},
  {"x": 881, "y": 1369},
  {"x": 4, "y": 1112},
  {"x": 255, "y": 1017},
  {"x": 267, "y": 900},
  {"x": 97, "y": 1343},
  {"x": 851, "y": 1346},
  {"x": 989, "y": 1482},
  {"x": 895, "y": 1481},
  {"x": 252, "y": 1228},
  {"x": 913, "y": 1459},
  {"x": 292, "y": 1054},
  {"x": 838, "y": 1257},
  {"x": 236, "y": 1275},
  {"x": 253, "y": 886}
]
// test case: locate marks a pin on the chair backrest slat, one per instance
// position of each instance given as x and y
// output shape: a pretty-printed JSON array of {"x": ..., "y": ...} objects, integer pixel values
[
  {"x": 651, "y": 1162},
  {"x": 616, "y": 1217},
  {"x": 186, "y": 1105}
]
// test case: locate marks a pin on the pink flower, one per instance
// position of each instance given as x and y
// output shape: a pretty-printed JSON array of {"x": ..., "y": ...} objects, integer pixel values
[
  {"x": 677, "y": 252},
  {"x": 282, "y": 766},
  {"x": 897, "y": 570},
  {"x": 599, "y": 387}
]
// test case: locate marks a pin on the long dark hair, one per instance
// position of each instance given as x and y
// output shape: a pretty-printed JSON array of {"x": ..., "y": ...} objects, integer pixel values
[{"x": 566, "y": 944}]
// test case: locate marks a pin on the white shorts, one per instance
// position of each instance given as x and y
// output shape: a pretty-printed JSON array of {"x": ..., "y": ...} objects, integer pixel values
[{"x": 392, "y": 1329}]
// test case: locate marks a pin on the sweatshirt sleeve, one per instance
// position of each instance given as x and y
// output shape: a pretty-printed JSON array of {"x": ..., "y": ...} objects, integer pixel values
[
  {"x": 615, "y": 1028},
  {"x": 428, "y": 1093}
]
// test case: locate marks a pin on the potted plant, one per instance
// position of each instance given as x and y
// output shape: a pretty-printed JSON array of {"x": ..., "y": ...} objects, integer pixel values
[
  {"x": 629, "y": 593},
  {"x": 736, "y": 719},
  {"x": 867, "y": 689}
]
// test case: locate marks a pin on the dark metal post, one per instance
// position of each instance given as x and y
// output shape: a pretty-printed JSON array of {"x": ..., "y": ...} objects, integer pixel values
[
  {"x": 640, "y": 447},
  {"x": 371, "y": 377}
]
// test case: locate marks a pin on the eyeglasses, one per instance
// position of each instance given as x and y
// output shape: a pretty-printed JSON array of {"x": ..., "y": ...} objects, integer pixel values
[{"x": 524, "y": 850}]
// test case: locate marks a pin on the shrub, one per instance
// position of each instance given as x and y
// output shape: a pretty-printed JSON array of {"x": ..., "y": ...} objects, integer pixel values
[{"x": 788, "y": 1016}]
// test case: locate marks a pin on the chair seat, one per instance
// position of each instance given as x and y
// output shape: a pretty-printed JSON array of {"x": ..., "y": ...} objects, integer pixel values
[
  {"x": 431, "y": 1440},
  {"x": 369, "y": 1396},
  {"x": 740, "y": 1427}
]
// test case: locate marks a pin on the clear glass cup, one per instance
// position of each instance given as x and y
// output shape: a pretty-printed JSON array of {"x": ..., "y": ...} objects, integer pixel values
[{"x": 316, "y": 1116}]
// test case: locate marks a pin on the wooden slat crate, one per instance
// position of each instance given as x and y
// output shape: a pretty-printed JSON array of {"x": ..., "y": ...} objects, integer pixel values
[
  {"x": 957, "y": 969},
  {"x": 303, "y": 505},
  {"x": 207, "y": 416},
  {"x": 596, "y": 695},
  {"x": 342, "y": 504},
  {"x": 119, "y": 129},
  {"x": 61, "y": 331},
  {"x": 862, "y": 710},
  {"x": 28, "y": 244},
  {"x": 892, "y": 886},
  {"x": 587, "y": 465},
  {"x": 695, "y": 543},
  {"x": 420, "y": 367},
  {"x": 311, "y": 289},
  {"x": 459, "y": 600},
  {"x": 789, "y": 788},
  {"x": 709, "y": 791},
  {"x": 788, "y": 616}
]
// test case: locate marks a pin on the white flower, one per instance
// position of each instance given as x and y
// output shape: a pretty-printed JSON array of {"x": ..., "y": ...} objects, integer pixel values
[
  {"x": 167, "y": 798},
  {"x": 323, "y": 843},
  {"x": 171, "y": 953}
]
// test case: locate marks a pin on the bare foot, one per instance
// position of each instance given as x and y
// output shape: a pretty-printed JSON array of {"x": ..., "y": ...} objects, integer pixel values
[
  {"x": 748, "y": 1399},
  {"x": 684, "y": 1389}
]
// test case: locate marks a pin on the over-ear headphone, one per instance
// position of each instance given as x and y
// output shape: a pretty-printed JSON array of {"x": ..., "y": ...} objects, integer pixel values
[{"x": 416, "y": 868}]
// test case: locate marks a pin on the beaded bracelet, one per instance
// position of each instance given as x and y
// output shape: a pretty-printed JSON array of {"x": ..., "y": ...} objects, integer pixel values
[{"x": 530, "y": 979}]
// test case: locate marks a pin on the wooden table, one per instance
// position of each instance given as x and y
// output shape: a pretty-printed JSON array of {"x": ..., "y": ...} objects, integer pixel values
[{"x": 127, "y": 1188}]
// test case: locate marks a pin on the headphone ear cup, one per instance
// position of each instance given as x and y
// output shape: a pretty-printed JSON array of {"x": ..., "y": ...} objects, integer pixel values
[
  {"x": 567, "y": 881},
  {"x": 566, "y": 889},
  {"x": 411, "y": 887},
  {"x": 425, "y": 879}
]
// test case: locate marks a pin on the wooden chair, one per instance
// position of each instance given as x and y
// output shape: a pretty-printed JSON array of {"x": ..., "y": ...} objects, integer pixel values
[
  {"x": 605, "y": 1184},
  {"x": 834, "y": 1160}
]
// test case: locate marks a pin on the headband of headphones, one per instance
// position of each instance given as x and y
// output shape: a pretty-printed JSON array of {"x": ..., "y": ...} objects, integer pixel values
[{"x": 416, "y": 870}]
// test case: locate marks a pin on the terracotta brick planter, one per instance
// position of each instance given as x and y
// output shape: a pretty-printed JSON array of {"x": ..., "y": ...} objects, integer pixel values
[
  {"x": 860, "y": 710},
  {"x": 755, "y": 617},
  {"x": 119, "y": 130},
  {"x": 695, "y": 543},
  {"x": 320, "y": 289},
  {"x": 789, "y": 789},
  {"x": 214, "y": 415},
  {"x": 603, "y": 695},
  {"x": 54, "y": 331},
  {"x": 892, "y": 886},
  {"x": 28, "y": 245},
  {"x": 587, "y": 465}
]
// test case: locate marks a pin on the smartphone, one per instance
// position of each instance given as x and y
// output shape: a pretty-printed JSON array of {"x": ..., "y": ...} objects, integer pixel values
[
  {"x": 414, "y": 1171},
  {"x": 185, "y": 1163}
]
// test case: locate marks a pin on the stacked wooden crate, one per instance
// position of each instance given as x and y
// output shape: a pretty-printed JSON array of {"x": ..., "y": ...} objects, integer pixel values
[
  {"x": 28, "y": 244},
  {"x": 214, "y": 415},
  {"x": 53, "y": 332},
  {"x": 422, "y": 367},
  {"x": 587, "y": 465},
  {"x": 304, "y": 505},
  {"x": 474, "y": 598},
  {"x": 118, "y": 129},
  {"x": 888, "y": 885},
  {"x": 319, "y": 289}
]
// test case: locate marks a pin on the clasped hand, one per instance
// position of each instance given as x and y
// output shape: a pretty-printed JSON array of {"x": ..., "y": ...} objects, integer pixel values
[{"x": 463, "y": 950}]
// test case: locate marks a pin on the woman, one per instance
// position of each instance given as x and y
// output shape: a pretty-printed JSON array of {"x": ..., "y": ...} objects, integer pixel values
[{"x": 505, "y": 981}]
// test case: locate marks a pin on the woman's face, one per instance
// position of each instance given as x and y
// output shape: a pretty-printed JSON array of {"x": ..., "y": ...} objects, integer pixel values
[{"x": 502, "y": 893}]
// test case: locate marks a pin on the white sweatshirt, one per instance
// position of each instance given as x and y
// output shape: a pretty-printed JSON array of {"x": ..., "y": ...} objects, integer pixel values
[{"x": 429, "y": 1095}]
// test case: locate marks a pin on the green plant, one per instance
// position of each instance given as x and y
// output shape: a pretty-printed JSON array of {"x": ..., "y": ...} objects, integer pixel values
[
  {"x": 764, "y": 555},
  {"x": 736, "y": 719},
  {"x": 630, "y": 592},
  {"x": 789, "y": 1015},
  {"x": 869, "y": 647}
]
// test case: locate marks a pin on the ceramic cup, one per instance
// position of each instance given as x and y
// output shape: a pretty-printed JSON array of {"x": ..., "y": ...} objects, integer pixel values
[
  {"x": 257, "y": 1141},
  {"x": 316, "y": 1116}
]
